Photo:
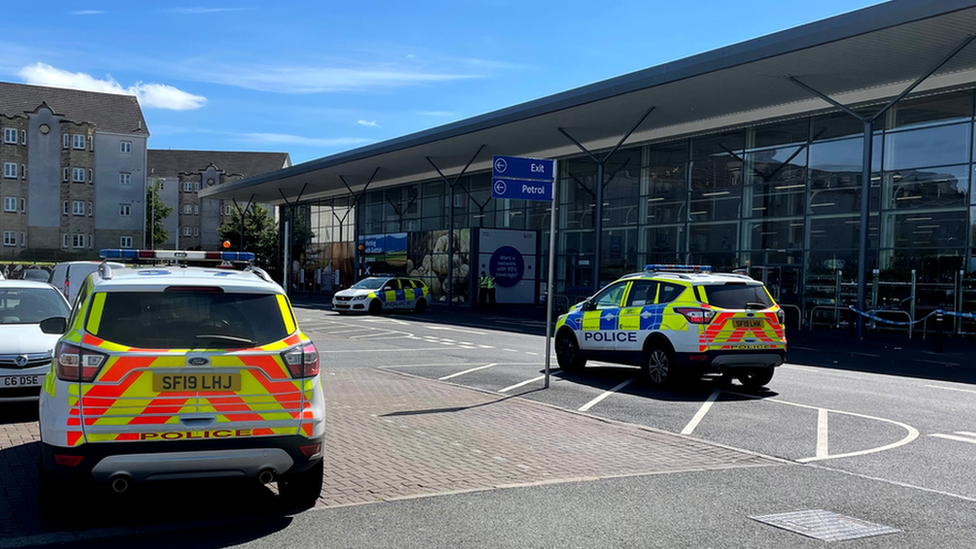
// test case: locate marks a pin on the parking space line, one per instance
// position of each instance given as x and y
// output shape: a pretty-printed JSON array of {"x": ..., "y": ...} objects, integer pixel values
[
  {"x": 526, "y": 382},
  {"x": 822, "y": 436},
  {"x": 510, "y": 350},
  {"x": 605, "y": 394},
  {"x": 700, "y": 415},
  {"x": 951, "y": 389},
  {"x": 466, "y": 371},
  {"x": 955, "y": 438}
]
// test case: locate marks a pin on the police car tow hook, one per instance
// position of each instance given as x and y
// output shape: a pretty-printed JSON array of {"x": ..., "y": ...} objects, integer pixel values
[
  {"x": 266, "y": 476},
  {"x": 120, "y": 484}
]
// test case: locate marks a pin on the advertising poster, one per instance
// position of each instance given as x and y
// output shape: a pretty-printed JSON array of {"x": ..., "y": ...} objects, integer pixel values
[{"x": 510, "y": 256}]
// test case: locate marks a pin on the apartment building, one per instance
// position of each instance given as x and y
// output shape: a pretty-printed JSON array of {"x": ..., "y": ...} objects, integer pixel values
[
  {"x": 195, "y": 221},
  {"x": 74, "y": 172}
]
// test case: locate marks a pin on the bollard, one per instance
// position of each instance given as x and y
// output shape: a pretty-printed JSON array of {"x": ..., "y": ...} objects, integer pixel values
[{"x": 938, "y": 332}]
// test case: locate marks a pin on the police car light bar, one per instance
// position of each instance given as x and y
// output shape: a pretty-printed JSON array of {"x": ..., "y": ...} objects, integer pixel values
[
  {"x": 176, "y": 255},
  {"x": 679, "y": 268}
]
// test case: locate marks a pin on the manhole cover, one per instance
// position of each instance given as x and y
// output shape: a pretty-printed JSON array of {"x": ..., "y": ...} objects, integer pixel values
[{"x": 825, "y": 525}]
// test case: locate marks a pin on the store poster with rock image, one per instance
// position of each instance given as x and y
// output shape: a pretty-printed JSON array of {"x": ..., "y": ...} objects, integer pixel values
[{"x": 429, "y": 260}]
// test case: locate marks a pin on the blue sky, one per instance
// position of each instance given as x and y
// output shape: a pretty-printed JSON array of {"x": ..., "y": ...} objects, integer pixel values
[{"x": 316, "y": 77}]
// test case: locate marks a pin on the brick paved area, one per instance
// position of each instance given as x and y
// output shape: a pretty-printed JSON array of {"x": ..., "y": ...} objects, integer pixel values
[{"x": 389, "y": 436}]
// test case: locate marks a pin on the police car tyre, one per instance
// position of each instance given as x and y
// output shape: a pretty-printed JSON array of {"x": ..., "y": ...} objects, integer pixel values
[
  {"x": 301, "y": 490},
  {"x": 756, "y": 378},
  {"x": 375, "y": 307},
  {"x": 421, "y": 306},
  {"x": 658, "y": 364},
  {"x": 568, "y": 353}
]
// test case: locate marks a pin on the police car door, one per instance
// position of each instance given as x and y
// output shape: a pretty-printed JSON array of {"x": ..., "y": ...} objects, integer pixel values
[
  {"x": 639, "y": 316},
  {"x": 599, "y": 329},
  {"x": 391, "y": 289}
]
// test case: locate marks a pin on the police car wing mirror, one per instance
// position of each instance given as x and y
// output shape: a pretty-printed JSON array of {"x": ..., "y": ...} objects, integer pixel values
[
  {"x": 387, "y": 288},
  {"x": 56, "y": 325},
  {"x": 588, "y": 305}
]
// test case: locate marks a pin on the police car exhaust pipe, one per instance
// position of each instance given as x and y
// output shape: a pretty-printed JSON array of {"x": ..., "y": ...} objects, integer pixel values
[
  {"x": 120, "y": 484},
  {"x": 266, "y": 476}
]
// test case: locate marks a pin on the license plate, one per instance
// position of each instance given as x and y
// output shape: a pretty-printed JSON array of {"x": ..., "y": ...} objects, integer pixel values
[
  {"x": 20, "y": 381},
  {"x": 176, "y": 383},
  {"x": 747, "y": 323}
]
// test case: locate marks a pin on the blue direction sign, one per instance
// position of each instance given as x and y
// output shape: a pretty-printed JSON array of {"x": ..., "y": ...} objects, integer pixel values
[
  {"x": 515, "y": 177},
  {"x": 517, "y": 167}
]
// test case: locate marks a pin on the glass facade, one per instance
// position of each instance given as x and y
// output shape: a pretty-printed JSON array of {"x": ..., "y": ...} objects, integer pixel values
[{"x": 783, "y": 197}]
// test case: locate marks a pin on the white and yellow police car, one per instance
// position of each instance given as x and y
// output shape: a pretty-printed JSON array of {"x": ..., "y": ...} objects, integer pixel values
[
  {"x": 377, "y": 293},
  {"x": 678, "y": 319}
]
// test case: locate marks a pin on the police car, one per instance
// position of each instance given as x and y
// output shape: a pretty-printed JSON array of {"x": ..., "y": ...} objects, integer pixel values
[
  {"x": 678, "y": 319},
  {"x": 382, "y": 293},
  {"x": 180, "y": 372}
]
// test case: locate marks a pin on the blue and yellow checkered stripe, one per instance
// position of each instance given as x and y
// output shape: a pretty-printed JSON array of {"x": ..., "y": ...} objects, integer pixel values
[{"x": 649, "y": 317}]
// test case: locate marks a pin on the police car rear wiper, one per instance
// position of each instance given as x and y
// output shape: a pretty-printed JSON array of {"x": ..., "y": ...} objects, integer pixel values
[
  {"x": 226, "y": 338},
  {"x": 756, "y": 306}
]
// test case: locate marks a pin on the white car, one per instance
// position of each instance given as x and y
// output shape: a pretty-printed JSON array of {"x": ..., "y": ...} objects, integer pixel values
[
  {"x": 69, "y": 275},
  {"x": 376, "y": 294},
  {"x": 26, "y": 351}
]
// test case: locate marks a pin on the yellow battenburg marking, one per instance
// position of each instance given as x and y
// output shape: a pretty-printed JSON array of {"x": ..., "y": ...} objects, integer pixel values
[
  {"x": 390, "y": 295},
  {"x": 629, "y": 318},
  {"x": 286, "y": 314},
  {"x": 95, "y": 318},
  {"x": 591, "y": 320}
]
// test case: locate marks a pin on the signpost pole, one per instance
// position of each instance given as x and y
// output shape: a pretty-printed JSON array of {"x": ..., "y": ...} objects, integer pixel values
[{"x": 550, "y": 284}]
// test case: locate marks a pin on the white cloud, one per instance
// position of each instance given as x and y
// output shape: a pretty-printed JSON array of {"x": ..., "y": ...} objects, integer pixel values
[
  {"x": 317, "y": 79},
  {"x": 439, "y": 114},
  {"x": 151, "y": 95},
  {"x": 200, "y": 11},
  {"x": 368, "y": 123},
  {"x": 87, "y": 12},
  {"x": 288, "y": 139}
]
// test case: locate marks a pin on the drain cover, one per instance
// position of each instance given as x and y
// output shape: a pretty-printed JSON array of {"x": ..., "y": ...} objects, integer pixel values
[{"x": 825, "y": 525}]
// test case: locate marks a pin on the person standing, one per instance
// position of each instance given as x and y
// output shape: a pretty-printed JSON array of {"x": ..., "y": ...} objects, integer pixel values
[
  {"x": 483, "y": 291},
  {"x": 491, "y": 293}
]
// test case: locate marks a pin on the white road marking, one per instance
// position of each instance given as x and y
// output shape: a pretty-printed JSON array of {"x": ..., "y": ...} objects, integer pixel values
[
  {"x": 510, "y": 350},
  {"x": 455, "y": 330},
  {"x": 822, "y": 434},
  {"x": 939, "y": 362},
  {"x": 956, "y": 438},
  {"x": 605, "y": 394},
  {"x": 466, "y": 372},
  {"x": 385, "y": 320},
  {"x": 350, "y": 331},
  {"x": 398, "y": 350},
  {"x": 967, "y": 433},
  {"x": 486, "y": 346},
  {"x": 951, "y": 389},
  {"x": 526, "y": 382},
  {"x": 534, "y": 354},
  {"x": 445, "y": 339},
  {"x": 700, "y": 415}
]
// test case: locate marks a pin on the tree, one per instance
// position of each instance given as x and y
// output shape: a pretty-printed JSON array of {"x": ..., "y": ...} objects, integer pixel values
[
  {"x": 260, "y": 235},
  {"x": 156, "y": 212}
]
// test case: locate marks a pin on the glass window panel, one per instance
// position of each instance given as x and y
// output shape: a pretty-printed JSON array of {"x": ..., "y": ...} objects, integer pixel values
[
  {"x": 716, "y": 188},
  {"x": 782, "y": 133},
  {"x": 827, "y": 233},
  {"x": 835, "y": 177},
  {"x": 924, "y": 229},
  {"x": 927, "y": 188},
  {"x": 642, "y": 292},
  {"x": 713, "y": 237},
  {"x": 778, "y": 181},
  {"x": 943, "y": 108},
  {"x": 936, "y": 146},
  {"x": 623, "y": 175},
  {"x": 784, "y": 234},
  {"x": 665, "y": 239},
  {"x": 839, "y": 124},
  {"x": 930, "y": 266},
  {"x": 719, "y": 144}
]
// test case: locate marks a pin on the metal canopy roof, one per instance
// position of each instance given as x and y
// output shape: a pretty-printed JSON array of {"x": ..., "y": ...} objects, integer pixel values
[{"x": 862, "y": 56}]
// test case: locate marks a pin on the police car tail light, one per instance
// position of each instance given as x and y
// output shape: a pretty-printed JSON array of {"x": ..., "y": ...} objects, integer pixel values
[
  {"x": 781, "y": 316},
  {"x": 694, "y": 315},
  {"x": 302, "y": 361},
  {"x": 77, "y": 364}
]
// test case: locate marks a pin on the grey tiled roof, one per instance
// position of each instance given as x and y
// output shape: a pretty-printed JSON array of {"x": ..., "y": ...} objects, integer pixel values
[
  {"x": 107, "y": 111},
  {"x": 171, "y": 163}
]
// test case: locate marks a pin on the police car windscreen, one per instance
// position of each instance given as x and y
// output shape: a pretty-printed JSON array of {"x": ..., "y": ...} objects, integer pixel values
[
  {"x": 30, "y": 305},
  {"x": 188, "y": 320},
  {"x": 737, "y": 295},
  {"x": 369, "y": 284}
]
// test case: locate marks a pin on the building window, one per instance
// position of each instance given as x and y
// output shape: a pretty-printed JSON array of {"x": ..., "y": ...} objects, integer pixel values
[
  {"x": 125, "y": 178},
  {"x": 125, "y": 146},
  {"x": 90, "y": 179},
  {"x": 66, "y": 175},
  {"x": 78, "y": 175},
  {"x": 65, "y": 143},
  {"x": 23, "y": 139},
  {"x": 23, "y": 171},
  {"x": 196, "y": 231},
  {"x": 125, "y": 210},
  {"x": 77, "y": 207},
  {"x": 10, "y": 170},
  {"x": 10, "y": 135},
  {"x": 23, "y": 238},
  {"x": 196, "y": 187},
  {"x": 79, "y": 142},
  {"x": 91, "y": 241},
  {"x": 91, "y": 142},
  {"x": 187, "y": 209},
  {"x": 89, "y": 209},
  {"x": 125, "y": 242},
  {"x": 65, "y": 209},
  {"x": 9, "y": 238},
  {"x": 64, "y": 240},
  {"x": 77, "y": 241},
  {"x": 186, "y": 231},
  {"x": 196, "y": 209},
  {"x": 23, "y": 205},
  {"x": 187, "y": 187},
  {"x": 9, "y": 204}
]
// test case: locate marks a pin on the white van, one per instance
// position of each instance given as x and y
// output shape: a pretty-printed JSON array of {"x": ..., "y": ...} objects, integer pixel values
[{"x": 67, "y": 277}]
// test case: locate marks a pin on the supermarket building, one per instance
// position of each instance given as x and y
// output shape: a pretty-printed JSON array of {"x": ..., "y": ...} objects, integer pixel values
[{"x": 753, "y": 154}]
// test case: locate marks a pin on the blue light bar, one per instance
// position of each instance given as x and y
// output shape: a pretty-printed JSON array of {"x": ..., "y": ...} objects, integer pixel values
[
  {"x": 669, "y": 268},
  {"x": 176, "y": 255}
]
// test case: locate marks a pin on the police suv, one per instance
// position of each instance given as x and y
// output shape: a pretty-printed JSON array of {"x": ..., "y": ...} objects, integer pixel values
[
  {"x": 678, "y": 319},
  {"x": 179, "y": 372},
  {"x": 382, "y": 293}
]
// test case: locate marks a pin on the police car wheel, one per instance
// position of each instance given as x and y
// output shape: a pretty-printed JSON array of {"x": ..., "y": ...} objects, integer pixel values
[
  {"x": 375, "y": 307},
  {"x": 756, "y": 378},
  {"x": 658, "y": 366},
  {"x": 421, "y": 306},
  {"x": 301, "y": 490},
  {"x": 567, "y": 353}
]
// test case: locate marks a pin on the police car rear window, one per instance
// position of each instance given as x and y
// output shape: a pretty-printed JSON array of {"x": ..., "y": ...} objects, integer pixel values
[
  {"x": 737, "y": 296},
  {"x": 188, "y": 320}
]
